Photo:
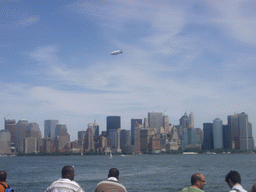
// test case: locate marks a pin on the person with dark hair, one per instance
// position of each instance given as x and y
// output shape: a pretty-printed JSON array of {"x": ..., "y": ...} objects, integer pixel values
[
  {"x": 3, "y": 186},
  {"x": 197, "y": 183},
  {"x": 3, "y": 176},
  {"x": 112, "y": 184},
  {"x": 66, "y": 183},
  {"x": 233, "y": 180}
]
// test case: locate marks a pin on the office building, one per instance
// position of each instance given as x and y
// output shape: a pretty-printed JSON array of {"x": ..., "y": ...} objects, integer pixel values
[
  {"x": 190, "y": 138},
  {"x": 217, "y": 134},
  {"x": 96, "y": 128},
  {"x": 245, "y": 130},
  {"x": 61, "y": 130},
  {"x": 166, "y": 123},
  {"x": 113, "y": 122},
  {"x": 227, "y": 143},
  {"x": 208, "y": 136},
  {"x": 49, "y": 128},
  {"x": 21, "y": 134},
  {"x": 155, "y": 120},
  {"x": 5, "y": 142},
  {"x": 11, "y": 126},
  {"x": 234, "y": 130},
  {"x": 33, "y": 130},
  {"x": 89, "y": 142},
  {"x": 125, "y": 138},
  {"x": 134, "y": 123}
]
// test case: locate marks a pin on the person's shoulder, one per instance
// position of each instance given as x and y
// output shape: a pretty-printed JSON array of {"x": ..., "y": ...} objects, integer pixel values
[
  {"x": 110, "y": 183},
  {"x": 193, "y": 189},
  {"x": 2, "y": 184},
  {"x": 184, "y": 189}
]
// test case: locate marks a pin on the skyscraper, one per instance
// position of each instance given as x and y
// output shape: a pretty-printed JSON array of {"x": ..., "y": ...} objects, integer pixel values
[
  {"x": 185, "y": 121},
  {"x": 113, "y": 122},
  {"x": 217, "y": 134},
  {"x": 233, "y": 126},
  {"x": 21, "y": 134},
  {"x": 33, "y": 130},
  {"x": 208, "y": 136},
  {"x": 245, "y": 130},
  {"x": 227, "y": 143},
  {"x": 155, "y": 120},
  {"x": 134, "y": 123},
  {"x": 96, "y": 128},
  {"x": 61, "y": 130},
  {"x": 166, "y": 123},
  {"x": 49, "y": 128},
  {"x": 125, "y": 138},
  {"x": 11, "y": 126},
  {"x": 190, "y": 138},
  {"x": 191, "y": 119}
]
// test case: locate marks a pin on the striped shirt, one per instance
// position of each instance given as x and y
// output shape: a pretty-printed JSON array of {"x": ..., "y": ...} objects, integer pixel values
[
  {"x": 64, "y": 185},
  {"x": 111, "y": 185}
]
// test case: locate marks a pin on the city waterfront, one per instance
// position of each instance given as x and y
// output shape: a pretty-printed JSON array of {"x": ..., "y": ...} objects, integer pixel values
[{"x": 137, "y": 173}]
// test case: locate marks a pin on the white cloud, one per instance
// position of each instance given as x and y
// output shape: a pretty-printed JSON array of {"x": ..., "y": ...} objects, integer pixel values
[{"x": 234, "y": 19}]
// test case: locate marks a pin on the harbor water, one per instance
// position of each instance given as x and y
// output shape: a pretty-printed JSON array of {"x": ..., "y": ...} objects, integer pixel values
[{"x": 138, "y": 173}]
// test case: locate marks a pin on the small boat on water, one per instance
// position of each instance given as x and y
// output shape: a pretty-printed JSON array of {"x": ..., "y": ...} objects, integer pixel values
[
  {"x": 110, "y": 156},
  {"x": 189, "y": 153}
]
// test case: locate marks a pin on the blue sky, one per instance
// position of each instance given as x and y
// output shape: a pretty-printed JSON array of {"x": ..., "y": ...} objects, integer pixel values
[{"x": 194, "y": 56}]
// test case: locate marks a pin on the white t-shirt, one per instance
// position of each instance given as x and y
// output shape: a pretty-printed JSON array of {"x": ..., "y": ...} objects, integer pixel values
[
  {"x": 238, "y": 187},
  {"x": 64, "y": 185}
]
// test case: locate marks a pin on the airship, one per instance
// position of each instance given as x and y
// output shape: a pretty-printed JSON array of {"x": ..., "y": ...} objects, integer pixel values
[{"x": 116, "y": 52}]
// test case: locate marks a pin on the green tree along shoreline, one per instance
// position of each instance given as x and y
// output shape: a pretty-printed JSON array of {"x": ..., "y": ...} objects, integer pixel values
[{"x": 174, "y": 152}]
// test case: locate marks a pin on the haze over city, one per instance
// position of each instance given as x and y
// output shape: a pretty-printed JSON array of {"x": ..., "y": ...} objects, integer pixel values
[{"x": 189, "y": 56}]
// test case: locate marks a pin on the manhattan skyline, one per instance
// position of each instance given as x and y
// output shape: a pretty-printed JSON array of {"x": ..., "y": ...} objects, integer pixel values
[{"x": 189, "y": 56}]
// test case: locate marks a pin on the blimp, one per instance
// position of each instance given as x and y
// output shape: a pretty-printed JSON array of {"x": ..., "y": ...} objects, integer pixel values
[{"x": 116, "y": 52}]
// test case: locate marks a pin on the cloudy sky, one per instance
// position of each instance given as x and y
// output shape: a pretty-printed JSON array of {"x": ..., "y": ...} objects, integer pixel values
[{"x": 178, "y": 56}]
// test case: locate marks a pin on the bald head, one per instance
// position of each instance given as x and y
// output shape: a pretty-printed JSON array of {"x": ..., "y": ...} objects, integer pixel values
[
  {"x": 198, "y": 181},
  {"x": 195, "y": 177}
]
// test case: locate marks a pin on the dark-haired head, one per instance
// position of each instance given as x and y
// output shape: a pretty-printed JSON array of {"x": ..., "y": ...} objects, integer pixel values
[
  {"x": 113, "y": 173},
  {"x": 68, "y": 172},
  {"x": 3, "y": 176},
  {"x": 234, "y": 177}
]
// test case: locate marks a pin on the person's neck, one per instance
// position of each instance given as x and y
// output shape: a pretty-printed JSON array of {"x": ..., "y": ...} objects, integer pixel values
[
  {"x": 195, "y": 186},
  {"x": 235, "y": 184}
]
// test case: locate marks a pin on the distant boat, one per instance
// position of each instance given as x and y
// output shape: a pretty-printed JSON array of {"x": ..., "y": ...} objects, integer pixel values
[
  {"x": 210, "y": 153},
  {"x": 110, "y": 156},
  {"x": 189, "y": 153}
]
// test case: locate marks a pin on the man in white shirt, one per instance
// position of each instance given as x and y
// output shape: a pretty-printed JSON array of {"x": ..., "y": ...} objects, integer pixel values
[
  {"x": 112, "y": 184},
  {"x": 233, "y": 180},
  {"x": 66, "y": 183}
]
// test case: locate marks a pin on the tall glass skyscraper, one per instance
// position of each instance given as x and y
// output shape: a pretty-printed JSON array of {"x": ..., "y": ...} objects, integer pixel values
[
  {"x": 49, "y": 128},
  {"x": 208, "y": 136},
  {"x": 113, "y": 122},
  {"x": 217, "y": 134}
]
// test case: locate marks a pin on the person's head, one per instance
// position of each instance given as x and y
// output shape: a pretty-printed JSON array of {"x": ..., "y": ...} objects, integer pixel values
[
  {"x": 113, "y": 173},
  {"x": 254, "y": 188},
  {"x": 198, "y": 180},
  {"x": 68, "y": 172},
  {"x": 232, "y": 178},
  {"x": 3, "y": 176}
]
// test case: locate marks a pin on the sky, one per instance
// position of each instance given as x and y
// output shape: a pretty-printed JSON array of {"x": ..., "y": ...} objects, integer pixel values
[{"x": 178, "y": 56}]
